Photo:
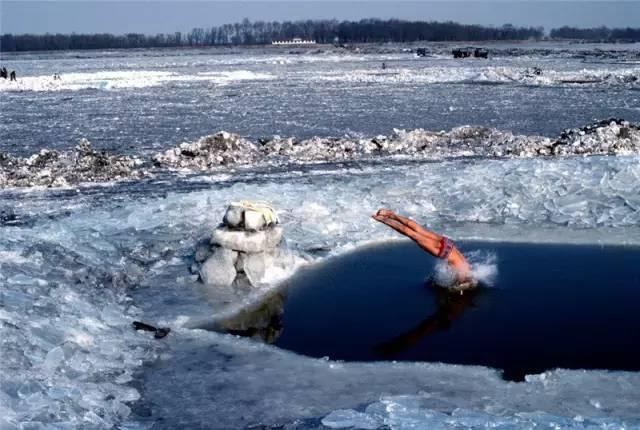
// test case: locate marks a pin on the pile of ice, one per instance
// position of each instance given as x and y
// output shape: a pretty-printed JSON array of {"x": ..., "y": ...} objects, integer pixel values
[
  {"x": 611, "y": 137},
  {"x": 52, "y": 168},
  {"x": 220, "y": 149},
  {"x": 223, "y": 150},
  {"x": 242, "y": 249}
]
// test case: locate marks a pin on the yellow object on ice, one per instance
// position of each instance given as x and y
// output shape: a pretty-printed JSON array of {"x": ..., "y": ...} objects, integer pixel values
[{"x": 265, "y": 209}]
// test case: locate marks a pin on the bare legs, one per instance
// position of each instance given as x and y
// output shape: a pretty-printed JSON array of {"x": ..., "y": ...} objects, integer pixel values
[{"x": 427, "y": 240}]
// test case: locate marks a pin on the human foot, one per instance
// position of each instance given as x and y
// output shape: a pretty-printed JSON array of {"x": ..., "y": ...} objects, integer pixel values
[{"x": 385, "y": 213}]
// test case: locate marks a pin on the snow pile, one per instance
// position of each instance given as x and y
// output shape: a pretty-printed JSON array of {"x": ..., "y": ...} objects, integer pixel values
[
  {"x": 220, "y": 149},
  {"x": 54, "y": 169}
]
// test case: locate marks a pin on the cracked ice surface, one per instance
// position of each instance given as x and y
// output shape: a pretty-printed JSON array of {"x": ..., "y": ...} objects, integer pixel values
[
  {"x": 79, "y": 266},
  {"x": 243, "y": 383}
]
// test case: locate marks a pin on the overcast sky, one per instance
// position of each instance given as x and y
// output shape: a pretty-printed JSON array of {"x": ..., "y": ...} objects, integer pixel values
[{"x": 156, "y": 16}]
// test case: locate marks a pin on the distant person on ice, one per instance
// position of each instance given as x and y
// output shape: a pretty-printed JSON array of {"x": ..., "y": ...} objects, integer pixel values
[
  {"x": 13, "y": 75},
  {"x": 435, "y": 244}
]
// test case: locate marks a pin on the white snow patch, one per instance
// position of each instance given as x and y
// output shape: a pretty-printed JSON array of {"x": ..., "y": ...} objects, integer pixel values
[{"x": 113, "y": 80}]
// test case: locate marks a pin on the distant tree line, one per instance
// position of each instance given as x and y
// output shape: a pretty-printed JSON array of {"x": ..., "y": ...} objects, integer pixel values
[
  {"x": 261, "y": 32},
  {"x": 600, "y": 34},
  {"x": 323, "y": 31}
]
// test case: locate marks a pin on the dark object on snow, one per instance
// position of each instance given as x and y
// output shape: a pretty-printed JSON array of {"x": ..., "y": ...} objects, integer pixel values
[
  {"x": 421, "y": 52},
  {"x": 462, "y": 52},
  {"x": 13, "y": 75},
  {"x": 159, "y": 333},
  {"x": 534, "y": 71},
  {"x": 470, "y": 52},
  {"x": 384, "y": 66},
  {"x": 481, "y": 53},
  {"x": 3, "y": 73}
]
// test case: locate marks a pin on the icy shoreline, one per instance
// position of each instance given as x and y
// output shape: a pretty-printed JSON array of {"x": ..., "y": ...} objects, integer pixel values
[
  {"x": 288, "y": 389},
  {"x": 224, "y": 150}
]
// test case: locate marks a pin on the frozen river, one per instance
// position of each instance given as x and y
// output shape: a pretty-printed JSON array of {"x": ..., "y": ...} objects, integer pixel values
[{"x": 80, "y": 262}]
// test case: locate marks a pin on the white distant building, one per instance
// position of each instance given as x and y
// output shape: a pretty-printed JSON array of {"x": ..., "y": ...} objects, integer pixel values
[{"x": 294, "y": 41}]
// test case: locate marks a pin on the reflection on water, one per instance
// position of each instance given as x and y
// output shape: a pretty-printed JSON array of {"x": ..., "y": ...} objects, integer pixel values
[
  {"x": 261, "y": 320},
  {"x": 450, "y": 307}
]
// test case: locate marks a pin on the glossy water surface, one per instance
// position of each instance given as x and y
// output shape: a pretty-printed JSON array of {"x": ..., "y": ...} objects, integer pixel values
[{"x": 551, "y": 306}]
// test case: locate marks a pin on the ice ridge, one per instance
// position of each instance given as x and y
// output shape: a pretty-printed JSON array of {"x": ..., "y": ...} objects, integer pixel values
[
  {"x": 58, "y": 169},
  {"x": 83, "y": 164},
  {"x": 612, "y": 136}
]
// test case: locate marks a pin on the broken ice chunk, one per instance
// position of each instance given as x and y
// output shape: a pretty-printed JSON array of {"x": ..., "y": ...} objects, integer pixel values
[
  {"x": 244, "y": 241},
  {"x": 219, "y": 269},
  {"x": 348, "y": 418},
  {"x": 233, "y": 216},
  {"x": 52, "y": 360},
  {"x": 255, "y": 266},
  {"x": 253, "y": 220}
]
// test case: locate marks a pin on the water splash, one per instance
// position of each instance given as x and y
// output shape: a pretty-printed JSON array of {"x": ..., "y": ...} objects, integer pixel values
[{"x": 484, "y": 269}]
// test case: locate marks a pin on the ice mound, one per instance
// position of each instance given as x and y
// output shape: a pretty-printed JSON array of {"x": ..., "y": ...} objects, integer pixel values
[
  {"x": 611, "y": 137},
  {"x": 489, "y": 75},
  {"x": 242, "y": 249},
  {"x": 54, "y": 169},
  {"x": 114, "y": 80},
  {"x": 223, "y": 150},
  {"x": 219, "y": 149}
]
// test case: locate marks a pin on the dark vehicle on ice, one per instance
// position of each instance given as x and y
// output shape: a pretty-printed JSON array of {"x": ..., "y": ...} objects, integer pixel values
[{"x": 470, "y": 52}]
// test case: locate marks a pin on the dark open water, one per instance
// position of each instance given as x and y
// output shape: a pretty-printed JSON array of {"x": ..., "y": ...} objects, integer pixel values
[{"x": 550, "y": 306}]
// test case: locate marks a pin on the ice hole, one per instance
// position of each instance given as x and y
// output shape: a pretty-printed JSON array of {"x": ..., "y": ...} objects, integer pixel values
[{"x": 549, "y": 306}]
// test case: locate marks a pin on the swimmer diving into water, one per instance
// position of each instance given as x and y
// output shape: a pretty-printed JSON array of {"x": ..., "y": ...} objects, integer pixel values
[{"x": 435, "y": 244}]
